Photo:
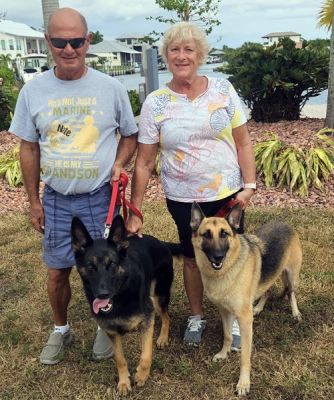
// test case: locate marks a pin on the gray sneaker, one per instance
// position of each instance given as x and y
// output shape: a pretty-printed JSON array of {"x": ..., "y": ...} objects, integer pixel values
[
  {"x": 102, "y": 348},
  {"x": 53, "y": 352},
  {"x": 195, "y": 328},
  {"x": 236, "y": 338}
]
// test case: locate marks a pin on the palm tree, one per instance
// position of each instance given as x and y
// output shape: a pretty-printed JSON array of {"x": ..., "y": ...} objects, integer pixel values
[
  {"x": 48, "y": 6},
  {"x": 326, "y": 17},
  {"x": 5, "y": 60}
]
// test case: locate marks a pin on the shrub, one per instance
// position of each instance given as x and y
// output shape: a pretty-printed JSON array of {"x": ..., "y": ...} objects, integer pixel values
[
  {"x": 293, "y": 167},
  {"x": 276, "y": 82},
  {"x": 135, "y": 103},
  {"x": 10, "y": 167},
  {"x": 8, "y": 97}
]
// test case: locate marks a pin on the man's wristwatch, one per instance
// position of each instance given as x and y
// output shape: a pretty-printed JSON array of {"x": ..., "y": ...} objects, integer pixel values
[{"x": 250, "y": 185}]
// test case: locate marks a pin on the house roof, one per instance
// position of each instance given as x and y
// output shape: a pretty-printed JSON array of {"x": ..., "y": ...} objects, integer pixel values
[
  {"x": 111, "y": 46},
  {"x": 19, "y": 29},
  {"x": 216, "y": 52},
  {"x": 131, "y": 36},
  {"x": 281, "y": 34}
]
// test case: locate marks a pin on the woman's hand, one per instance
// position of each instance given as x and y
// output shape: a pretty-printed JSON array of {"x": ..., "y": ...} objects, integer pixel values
[
  {"x": 134, "y": 225},
  {"x": 245, "y": 195}
]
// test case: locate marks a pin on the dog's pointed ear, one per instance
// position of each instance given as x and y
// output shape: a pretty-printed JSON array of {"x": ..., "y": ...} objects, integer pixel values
[
  {"x": 234, "y": 217},
  {"x": 196, "y": 216},
  {"x": 80, "y": 236},
  {"x": 117, "y": 233}
]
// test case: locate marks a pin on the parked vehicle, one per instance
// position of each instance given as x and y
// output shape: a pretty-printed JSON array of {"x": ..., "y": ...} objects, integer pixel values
[{"x": 31, "y": 66}]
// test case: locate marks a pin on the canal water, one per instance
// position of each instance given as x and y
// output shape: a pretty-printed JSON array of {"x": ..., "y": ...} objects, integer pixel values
[{"x": 131, "y": 82}]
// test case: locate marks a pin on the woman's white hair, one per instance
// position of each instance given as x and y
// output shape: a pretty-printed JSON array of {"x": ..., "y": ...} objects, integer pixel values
[{"x": 185, "y": 32}]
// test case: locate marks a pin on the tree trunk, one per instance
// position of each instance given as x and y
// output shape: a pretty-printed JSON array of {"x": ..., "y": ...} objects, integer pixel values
[
  {"x": 329, "y": 121},
  {"x": 49, "y": 6},
  {"x": 276, "y": 108}
]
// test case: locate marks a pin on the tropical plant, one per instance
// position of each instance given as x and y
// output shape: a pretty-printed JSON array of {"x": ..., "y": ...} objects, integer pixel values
[
  {"x": 10, "y": 167},
  {"x": 326, "y": 19},
  {"x": 5, "y": 110},
  {"x": 266, "y": 156},
  {"x": 97, "y": 37},
  {"x": 275, "y": 82},
  {"x": 293, "y": 167},
  {"x": 5, "y": 60},
  {"x": 135, "y": 102},
  {"x": 202, "y": 12},
  {"x": 8, "y": 97}
]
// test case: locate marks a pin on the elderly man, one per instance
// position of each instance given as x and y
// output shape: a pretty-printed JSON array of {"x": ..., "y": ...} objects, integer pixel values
[{"x": 68, "y": 119}]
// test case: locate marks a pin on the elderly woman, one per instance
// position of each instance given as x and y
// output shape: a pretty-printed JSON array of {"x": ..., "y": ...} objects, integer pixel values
[{"x": 206, "y": 152}]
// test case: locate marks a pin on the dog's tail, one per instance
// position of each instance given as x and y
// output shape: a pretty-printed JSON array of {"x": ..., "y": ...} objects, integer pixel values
[{"x": 175, "y": 248}]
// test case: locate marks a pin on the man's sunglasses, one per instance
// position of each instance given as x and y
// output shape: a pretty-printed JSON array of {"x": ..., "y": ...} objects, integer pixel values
[{"x": 75, "y": 43}]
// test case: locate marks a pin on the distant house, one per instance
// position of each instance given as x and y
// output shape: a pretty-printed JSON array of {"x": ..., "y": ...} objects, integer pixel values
[
  {"x": 135, "y": 41},
  {"x": 25, "y": 46},
  {"x": 114, "y": 53},
  {"x": 215, "y": 56},
  {"x": 20, "y": 39},
  {"x": 274, "y": 37}
]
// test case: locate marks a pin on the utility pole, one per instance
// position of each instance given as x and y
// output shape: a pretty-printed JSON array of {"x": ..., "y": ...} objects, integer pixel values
[
  {"x": 48, "y": 7},
  {"x": 150, "y": 72}
]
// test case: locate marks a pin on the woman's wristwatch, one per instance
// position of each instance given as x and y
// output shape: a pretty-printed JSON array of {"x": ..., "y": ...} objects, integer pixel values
[{"x": 250, "y": 185}]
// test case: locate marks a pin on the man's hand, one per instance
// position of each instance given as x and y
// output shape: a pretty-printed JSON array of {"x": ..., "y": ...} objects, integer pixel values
[
  {"x": 36, "y": 217},
  {"x": 115, "y": 172}
]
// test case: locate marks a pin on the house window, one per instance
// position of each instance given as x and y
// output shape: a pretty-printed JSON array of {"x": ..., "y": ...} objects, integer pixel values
[
  {"x": 128, "y": 41},
  {"x": 11, "y": 44},
  {"x": 18, "y": 44},
  {"x": 3, "y": 45},
  {"x": 115, "y": 56}
]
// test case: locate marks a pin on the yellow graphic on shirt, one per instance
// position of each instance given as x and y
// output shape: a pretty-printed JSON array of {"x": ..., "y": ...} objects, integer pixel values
[
  {"x": 216, "y": 106},
  {"x": 54, "y": 135},
  {"x": 213, "y": 185},
  {"x": 179, "y": 156},
  {"x": 85, "y": 140},
  {"x": 71, "y": 139}
]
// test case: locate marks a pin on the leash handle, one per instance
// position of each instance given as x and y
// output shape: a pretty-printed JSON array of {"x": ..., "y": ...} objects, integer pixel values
[
  {"x": 118, "y": 198},
  {"x": 114, "y": 198},
  {"x": 228, "y": 207}
]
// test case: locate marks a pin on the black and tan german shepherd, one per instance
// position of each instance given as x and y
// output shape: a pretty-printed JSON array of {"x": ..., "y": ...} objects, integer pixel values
[
  {"x": 125, "y": 279},
  {"x": 238, "y": 269}
]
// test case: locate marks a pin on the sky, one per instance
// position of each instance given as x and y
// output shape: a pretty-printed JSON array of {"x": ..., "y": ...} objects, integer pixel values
[{"x": 241, "y": 21}]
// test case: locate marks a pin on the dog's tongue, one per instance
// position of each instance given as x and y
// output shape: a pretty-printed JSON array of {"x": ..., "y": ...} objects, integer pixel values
[{"x": 99, "y": 303}]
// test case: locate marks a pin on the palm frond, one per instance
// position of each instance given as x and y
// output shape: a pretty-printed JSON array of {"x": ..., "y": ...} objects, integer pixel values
[{"x": 325, "y": 14}]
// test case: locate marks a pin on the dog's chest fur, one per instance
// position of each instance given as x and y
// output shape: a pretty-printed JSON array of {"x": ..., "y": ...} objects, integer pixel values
[{"x": 121, "y": 325}]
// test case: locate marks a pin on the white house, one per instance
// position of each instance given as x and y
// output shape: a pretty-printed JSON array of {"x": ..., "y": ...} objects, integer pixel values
[
  {"x": 135, "y": 41},
  {"x": 274, "y": 37},
  {"x": 20, "y": 39},
  {"x": 114, "y": 53}
]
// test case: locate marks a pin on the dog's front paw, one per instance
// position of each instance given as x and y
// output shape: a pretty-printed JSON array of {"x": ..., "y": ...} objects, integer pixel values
[
  {"x": 297, "y": 316},
  {"x": 141, "y": 377},
  {"x": 162, "y": 342},
  {"x": 222, "y": 355},
  {"x": 124, "y": 387},
  {"x": 257, "y": 310},
  {"x": 243, "y": 387}
]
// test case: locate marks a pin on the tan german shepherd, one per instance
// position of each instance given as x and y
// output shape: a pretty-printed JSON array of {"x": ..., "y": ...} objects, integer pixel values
[{"x": 238, "y": 269}]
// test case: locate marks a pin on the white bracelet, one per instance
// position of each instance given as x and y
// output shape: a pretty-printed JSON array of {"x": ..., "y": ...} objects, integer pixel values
[{"x": 250, "y": 186}]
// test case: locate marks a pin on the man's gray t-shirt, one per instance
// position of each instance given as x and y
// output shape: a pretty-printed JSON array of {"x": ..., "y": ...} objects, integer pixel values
[{"x": 76, "y": 124}]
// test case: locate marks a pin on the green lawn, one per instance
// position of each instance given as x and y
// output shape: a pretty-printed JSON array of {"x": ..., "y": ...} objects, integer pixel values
[{"x": 290, "y": 360}]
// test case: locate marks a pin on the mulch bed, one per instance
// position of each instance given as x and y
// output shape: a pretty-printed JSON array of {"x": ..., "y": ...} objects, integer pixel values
[{"x": 300, "y": 133}]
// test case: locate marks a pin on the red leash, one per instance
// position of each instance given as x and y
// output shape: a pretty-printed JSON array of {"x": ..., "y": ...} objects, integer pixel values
[
  {"x": 118, "y": 198},
  {"x": 225, "y": 210}
]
